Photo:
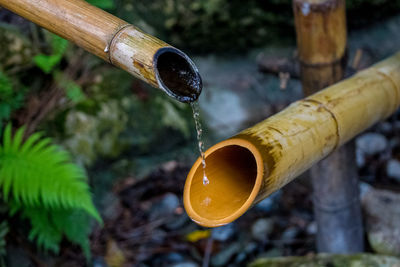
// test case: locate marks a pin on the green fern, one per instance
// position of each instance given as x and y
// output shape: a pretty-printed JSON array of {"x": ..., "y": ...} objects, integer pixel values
[
  {"x": 43, "y": 231},
  {"x": 48, "y": 228},
  {"x": 38, "y": 179}
]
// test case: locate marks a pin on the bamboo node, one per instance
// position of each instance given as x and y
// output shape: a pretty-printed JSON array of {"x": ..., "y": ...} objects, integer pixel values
[
  {"x": 334, "y": 208},
  {"x": 111, "y": 43},
  {"x": 322, "y": 105}
]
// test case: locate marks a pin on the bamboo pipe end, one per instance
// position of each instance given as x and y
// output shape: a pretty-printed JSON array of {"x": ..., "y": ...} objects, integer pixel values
[
  {"x": 177, "y": 74},
  {"x": 235, "y": 170}
]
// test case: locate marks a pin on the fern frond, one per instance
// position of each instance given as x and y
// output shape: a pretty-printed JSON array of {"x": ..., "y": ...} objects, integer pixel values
[
  {"x": 49, "y": 226},
  {"x": 43, "y": 231},
  {"x": 76, "y": 226},
  {"x": 38, "y": 173}
]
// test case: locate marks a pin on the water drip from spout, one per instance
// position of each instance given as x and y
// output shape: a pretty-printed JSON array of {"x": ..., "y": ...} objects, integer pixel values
[{"x": 199, "y": 130}]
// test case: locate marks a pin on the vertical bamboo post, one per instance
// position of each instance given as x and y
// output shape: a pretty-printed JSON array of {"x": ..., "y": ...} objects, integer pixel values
[{"x": 321, "y": 40}]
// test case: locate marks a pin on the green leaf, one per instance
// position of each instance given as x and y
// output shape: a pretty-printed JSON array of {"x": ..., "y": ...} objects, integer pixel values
[
  {"x": 74, "y": 92},
  {"x": 46, "y": 63},
  {"x": 104, "y": 4},
  {"x": 59, "y": 45}
]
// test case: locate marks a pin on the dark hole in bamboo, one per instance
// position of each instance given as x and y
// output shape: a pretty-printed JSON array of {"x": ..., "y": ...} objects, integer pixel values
[
  {"x": 177, "y": 74},
  {"x": 232, "y": 171}
]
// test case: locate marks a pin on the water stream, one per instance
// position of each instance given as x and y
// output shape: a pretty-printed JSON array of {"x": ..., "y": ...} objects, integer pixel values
[{"x": 199, "y": 129}]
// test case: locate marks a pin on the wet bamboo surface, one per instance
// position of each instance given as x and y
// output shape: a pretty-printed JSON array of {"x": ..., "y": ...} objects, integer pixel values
[
  {"x": 113, "y": 40},
  {"x": 321, "y": 39},
  {"x": 250, "y": 166}
]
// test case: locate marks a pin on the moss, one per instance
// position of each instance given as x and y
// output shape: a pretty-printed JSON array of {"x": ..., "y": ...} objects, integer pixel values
[
  {"x": 16, "y": 49},
  {"x": 329, "y": 260},
  {"x": 113, "y": 120}
]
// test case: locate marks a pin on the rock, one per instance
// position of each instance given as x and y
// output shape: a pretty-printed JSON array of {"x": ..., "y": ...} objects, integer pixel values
[
  {"x": 312, "y": 228},
  {"x": 111, "y": 207},
  {"x": 170, "y": 166},
  {"x": 177, "y": 222},
  {"x": 262, "y": 228},
  {"x": 165, "y": 207},
  {"x": 240, "y": 257},
  {"x": 158, "y": 235},
  {"x": 99, "y": 262},
  {"x": 394, "y": 142},
  {"x": 371, "y": 143},
  {"x": 223, "y": 233},
  {"x": 385, "y": 127},
  {"x": 382, "y": 210},
  {"x": 174, "y": 257},
  {"x": 274, "y": 252},
  {"x": 250, "y": 247},
  {"x": 393, "y": 169},
  {"x": 332, "y": 260},
  {"x": 360, "y": 158},
  {"x": 114, "y": 257},
  {"x": 94, "y": 135},
  {"x": 223, "y": 111},
  {"x": 17, "y": 257},
  {"x": 289, "y": 234},
  {"x": 16, "y": 49},
  {"x": 269, "y": 203},
  {"x": 185, "y": 264},
  {"x": 170, "y": 202},
  {"x": 223, "y": 257},
  {"x": 111, "y": 122},
  {"x": 364, "y": 188}
]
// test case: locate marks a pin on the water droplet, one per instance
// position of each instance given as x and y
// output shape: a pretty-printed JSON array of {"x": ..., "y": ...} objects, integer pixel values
[
  {"x": 205, "y": 180},
  {"x": 107, "y": 49}
]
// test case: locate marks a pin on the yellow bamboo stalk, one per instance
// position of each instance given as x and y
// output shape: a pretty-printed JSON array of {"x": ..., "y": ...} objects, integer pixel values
[
  {"x": 248, "y": 167},
  {"x": 117, "y": 42}
]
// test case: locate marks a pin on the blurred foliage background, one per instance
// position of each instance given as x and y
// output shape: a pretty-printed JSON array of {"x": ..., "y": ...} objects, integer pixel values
[
  {"x": 105, "y": 123},
  {"x": 225, "y": 26}
]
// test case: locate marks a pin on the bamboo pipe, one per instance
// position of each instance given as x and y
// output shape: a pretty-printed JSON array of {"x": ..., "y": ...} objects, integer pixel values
[
  {"x": 117, "y": 42},
  {"x": 248, "y": 167}
]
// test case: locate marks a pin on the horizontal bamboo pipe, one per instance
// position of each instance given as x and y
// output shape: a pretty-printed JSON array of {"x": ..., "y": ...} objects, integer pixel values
[
  {"x": 248, "y": 167},
  {"x": 117, "y": 42}
]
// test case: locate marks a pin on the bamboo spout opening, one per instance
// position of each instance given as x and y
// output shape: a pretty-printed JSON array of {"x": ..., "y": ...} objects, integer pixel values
[
  {"x": 177, "y": 75},
  {"x": 235, "y": 170}
]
